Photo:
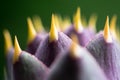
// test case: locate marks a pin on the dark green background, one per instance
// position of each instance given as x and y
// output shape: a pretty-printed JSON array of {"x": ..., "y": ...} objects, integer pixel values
[{"x": 13, "y": 14}]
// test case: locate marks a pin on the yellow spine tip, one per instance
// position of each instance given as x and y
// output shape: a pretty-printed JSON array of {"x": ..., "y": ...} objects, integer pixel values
[
  {"x": 92, "y": 21},
  {"x": 113, "y": 26},
  {"x": 31, "y": 31},
  {"x": 57, "y": 22},
  {"x": 106, "y": 33},
  {"x": 17, "y": 50},
  {"x": 113, "y": 22},
  {"x": 8, "y": 41},
  {"x": 53, "y": 34},
  {"x": 84, "y": 21},
  {"x": 65, "y": 23},
  {"x": 38, "y": 24},
  {"x": 77, "y": 21}
]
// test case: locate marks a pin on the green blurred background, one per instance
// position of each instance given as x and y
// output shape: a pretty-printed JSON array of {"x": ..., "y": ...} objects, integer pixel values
[{"x": 13, "y": 14}]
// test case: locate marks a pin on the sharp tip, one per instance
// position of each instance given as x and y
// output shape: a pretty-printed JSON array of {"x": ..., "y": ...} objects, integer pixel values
[
  {"x": 113, "y": 27},
  {"x": 92, "y": 21},
  {"x": 8, "y": 41},
  {"x": 65, "y": 24},
  {"x": 77, "y": 21},
  {"x": 78, "y": 10},
  {"x": 31, "y": 31},
  {"x": 84, "y": 21},
  {"x": 17, "y": 50},
  {"x": 107, "y": 35},
  {"x": 53, "y": 35},
  {"x": 38, "y": 24},
  {"x": 57, "y": 22},
  {"x": 113, "y": 23}
]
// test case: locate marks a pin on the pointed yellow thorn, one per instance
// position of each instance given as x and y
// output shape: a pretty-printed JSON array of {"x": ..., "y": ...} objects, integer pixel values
[
  {"x": 31, "y": 31},
  {"x": 113, "y": 22},
  {"x": 84, "y": 21},
  {"x": 8, "y": 41},
  {"x": 113, "y": 26},
  {"x": 74, "y": 50},
  {"x": 106, "y": 33},
  {"x": 77, "y": 21},
  {"x": 53, "y": 34},
  {"x": 65, "y": 23},
  {"x": 38, "y": 24},
  {"x": 57, "y": 22},
  {"x": 92, "y": 22},
  {"x": 17, "y": 50}
]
